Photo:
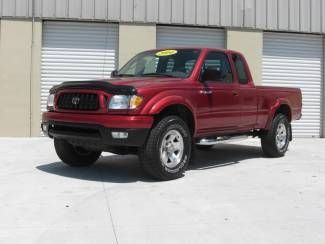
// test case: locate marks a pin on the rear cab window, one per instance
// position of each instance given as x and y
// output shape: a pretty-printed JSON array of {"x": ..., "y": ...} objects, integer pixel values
[{"x": 240, "y": 69}]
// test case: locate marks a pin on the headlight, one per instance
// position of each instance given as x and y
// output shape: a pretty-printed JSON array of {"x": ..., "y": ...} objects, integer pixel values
[
  {"x": 124, "y": 102},
  {"x": 50, "y": 102},
  {"x": 119, "y": 102}
]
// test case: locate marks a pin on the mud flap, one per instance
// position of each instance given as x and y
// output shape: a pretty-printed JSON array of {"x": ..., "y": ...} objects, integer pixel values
[{"x": 290, "y": 129}]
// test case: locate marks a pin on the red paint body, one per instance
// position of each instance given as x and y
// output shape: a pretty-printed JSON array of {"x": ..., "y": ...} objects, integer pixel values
[{"x": 229, "y": 109}]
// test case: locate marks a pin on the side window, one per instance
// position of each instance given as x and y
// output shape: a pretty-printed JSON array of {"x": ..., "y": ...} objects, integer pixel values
[
  {"x": 216, "y": 68},
  {"x": 240, "y": 68}
]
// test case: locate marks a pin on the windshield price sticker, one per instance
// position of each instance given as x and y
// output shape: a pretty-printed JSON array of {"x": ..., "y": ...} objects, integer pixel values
[{"x": 166, "y": 53}]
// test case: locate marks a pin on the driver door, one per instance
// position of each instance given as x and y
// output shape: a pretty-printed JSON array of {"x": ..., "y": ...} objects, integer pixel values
[{"x": 218, "y": 85}]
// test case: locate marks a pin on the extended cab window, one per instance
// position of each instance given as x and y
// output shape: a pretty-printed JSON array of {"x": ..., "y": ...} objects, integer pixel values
[
  {"x": 216, "y": 67},
  {"x": 240, "y": 69}
]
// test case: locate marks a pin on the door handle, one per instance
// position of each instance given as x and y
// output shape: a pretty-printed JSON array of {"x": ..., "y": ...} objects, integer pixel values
[
  {"x": 206, "y": 92},
  {"x": 235, "y": 93}
]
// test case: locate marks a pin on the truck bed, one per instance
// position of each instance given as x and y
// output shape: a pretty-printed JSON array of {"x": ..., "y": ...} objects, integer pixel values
[{"x": 270, "y": 96}]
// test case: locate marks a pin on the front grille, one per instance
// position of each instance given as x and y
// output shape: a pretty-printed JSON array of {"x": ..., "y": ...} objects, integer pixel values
[{"x": 78, "y": 101}]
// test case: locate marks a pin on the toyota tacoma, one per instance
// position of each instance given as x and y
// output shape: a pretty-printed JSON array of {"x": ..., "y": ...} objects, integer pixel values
[{"x": 162, "y": 104}]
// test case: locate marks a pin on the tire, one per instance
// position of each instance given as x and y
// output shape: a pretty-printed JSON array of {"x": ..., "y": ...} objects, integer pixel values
[
  {"x": 169, "y": 139},
  {"x": 75, "y": 156},
  {"x": 275, "y": 142}
]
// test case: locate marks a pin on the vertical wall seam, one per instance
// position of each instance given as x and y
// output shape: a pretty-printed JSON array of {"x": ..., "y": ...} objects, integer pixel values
[
  {"x": 170, "y": 11},
  {"x": 183, "y": 18},
  {"x": 94, "y": 11},
  {"x": 266, "y": 14},
  {"x": 120, "y": 10},
  {"x": 27, "y": 9},
  {"x": 145, "y": 11},
  {"x": 158, "y": 10},
  {"x": 54, "y": 11},
  {"x": 31, "y": 72},
  {"x": 322, "y": 122},
  {"x": 81, "y": 6},
  {"x": 196, "y": 22},
  {"x": 232, "y": 12},
  {"x": 244, "y": 14},
  {"x": 41, "y": 8},
  {"x": 208, "y": 12},
  {"x": 220, "y": 21},
  {"x": 321, "y": 16},
  {"x": 299, "y": 14},
  {"x": 277, "y": 14},
  {"x": 310, "y": 15},
  {"x": 289, "y": 15},
  {"x": 106, "y": 10},
  {"x": 67, "y": 8},
  {"x": 255, "y": 12},
  {"x": 133, "y": 10},
  {"x": 15, "y": 8}
]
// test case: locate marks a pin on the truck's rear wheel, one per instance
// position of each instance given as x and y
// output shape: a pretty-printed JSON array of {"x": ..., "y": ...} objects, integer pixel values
[
  {"x": 167, "y": 152},
  {"x": 73, "y": 155},
  {"x": 275, "y": 142}
]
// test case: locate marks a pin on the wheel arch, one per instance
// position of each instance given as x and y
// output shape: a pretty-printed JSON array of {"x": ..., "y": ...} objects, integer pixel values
[
  {"x": 178, "y": 109},
  {"x": 285, "y": 110},
  {"x": 280, "y": 107},
  {"x": 164, "y": 104}
]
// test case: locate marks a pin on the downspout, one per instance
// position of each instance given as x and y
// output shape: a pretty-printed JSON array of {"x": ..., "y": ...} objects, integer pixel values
[
  {"x": 31, "y": 72},
  {"x": 322, "y": 93}
]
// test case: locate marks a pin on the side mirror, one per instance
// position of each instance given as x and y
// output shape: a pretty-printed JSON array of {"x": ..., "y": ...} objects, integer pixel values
[
  {"x": 114, "y": 73},
  {"x": 212, "y": 74}
]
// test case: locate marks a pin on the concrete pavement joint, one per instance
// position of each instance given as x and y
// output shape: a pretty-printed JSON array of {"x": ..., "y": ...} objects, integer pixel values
[{"x": 109, "y": 209}]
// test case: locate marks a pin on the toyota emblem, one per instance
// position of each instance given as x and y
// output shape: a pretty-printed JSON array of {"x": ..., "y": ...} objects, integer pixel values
[{"x": 75, "y": 100}]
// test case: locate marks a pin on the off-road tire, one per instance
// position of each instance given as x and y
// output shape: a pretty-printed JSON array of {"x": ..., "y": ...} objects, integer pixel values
[
  {"x": 75, "y": 156},
  {"x": 150, "y": 155},
  {"x": 268, "y": 139}
]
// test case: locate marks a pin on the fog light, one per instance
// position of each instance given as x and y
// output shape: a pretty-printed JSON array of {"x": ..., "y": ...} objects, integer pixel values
[
  {"x": 44, "y": 128},
  {"x": 120, "y": 135}
]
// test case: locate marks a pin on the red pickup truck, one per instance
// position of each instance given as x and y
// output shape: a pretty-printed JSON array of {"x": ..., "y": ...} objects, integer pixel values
[{"x": 165, "y": 102}]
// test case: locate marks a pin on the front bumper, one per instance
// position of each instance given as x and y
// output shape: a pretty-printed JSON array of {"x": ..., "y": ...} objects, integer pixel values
[{"x": 95, "y": 131}]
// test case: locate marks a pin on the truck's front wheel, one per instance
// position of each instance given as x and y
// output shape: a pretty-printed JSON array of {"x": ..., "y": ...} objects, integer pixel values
[
  {"x": 73, "y": 155},
  {"x": 167, "y": 152},
  {"x": 275, "y": 142}
]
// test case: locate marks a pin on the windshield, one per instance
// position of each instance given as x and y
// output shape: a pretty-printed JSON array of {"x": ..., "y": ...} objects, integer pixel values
[{"x": 169, "y": 62}]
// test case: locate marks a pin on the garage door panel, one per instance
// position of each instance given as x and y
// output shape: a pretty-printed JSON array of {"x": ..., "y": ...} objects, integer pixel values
[
  {"x": 173, "y": 36},
  {"x": 295, "y": 60},
  {"x": 76, "y": 51}
]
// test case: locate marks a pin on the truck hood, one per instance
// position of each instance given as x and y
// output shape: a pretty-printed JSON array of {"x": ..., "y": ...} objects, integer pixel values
[{"x": 125, "y": 85}]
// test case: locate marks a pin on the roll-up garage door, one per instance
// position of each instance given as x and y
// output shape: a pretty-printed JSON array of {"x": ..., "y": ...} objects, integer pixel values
[
  {"x": 76, "y": 51},
  {"x": 171, "y": 36},
  {"x": 295, "y": 60}
]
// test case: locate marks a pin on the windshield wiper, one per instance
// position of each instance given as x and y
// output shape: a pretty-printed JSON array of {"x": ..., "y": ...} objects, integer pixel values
[{"x": 158, "y": 74}]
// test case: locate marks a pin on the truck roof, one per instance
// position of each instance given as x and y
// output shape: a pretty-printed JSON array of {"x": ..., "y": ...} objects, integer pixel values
[{"x": 199, "y": 48}]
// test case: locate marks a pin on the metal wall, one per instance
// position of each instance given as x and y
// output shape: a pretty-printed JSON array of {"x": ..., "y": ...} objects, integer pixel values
[
  {"x": 285, "y": 15},
  {"x": 295, "y": 60}
]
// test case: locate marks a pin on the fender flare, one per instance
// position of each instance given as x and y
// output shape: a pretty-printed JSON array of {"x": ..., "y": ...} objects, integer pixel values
[
  {"x": 278, "y": 103},
  {"x": 161, "y": 102}
]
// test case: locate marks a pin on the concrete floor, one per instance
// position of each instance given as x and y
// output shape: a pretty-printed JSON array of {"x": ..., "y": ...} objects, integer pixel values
[{"x": 232, "y": 194}]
